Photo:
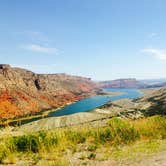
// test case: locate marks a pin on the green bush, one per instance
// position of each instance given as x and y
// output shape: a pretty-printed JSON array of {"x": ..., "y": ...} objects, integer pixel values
[
  {"x": 34, "y": 142},
  {"x": 102, "y": 135},
  {"x": 27, "y": 143},
  {"x": 75, "y": 137},
  {"x": 49, "y": 141},
  {"x": 117, "y": 132}
]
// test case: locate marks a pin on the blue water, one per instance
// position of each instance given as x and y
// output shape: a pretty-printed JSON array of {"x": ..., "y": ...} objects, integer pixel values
[
  {"x": 87, "y": 104},
  {"x": 95, "y": 101}
]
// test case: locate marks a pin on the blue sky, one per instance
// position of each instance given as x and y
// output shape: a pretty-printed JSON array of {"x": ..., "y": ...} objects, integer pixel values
[{"x": 101, "y": 39}]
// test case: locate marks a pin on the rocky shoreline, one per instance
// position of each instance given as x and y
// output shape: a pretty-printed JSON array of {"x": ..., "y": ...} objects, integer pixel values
[
  {"x": 44, "y": 113},
  {"x": 37, "y": 116}
]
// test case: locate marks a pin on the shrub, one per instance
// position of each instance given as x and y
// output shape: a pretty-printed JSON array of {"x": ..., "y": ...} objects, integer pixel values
[
  {"x": 26, "y": 143},
  {"x": 76, "y": 137},
  {"x": 3, "y": 152},
  {"x": 117, "y": 132},
  {"x": 92, "y": 147},
  {"x": 102, "y": 135},
  {"x": 49, "y": 141},
  {"x": 122, "y": 131}
]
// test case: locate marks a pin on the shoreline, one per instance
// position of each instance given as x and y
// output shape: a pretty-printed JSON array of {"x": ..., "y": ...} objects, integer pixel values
[
  {"x": 23, "y": 120},
  {"x": 39, "y": 115},
  {"x": 44, "y": 113},
  {"x": 148, "y": 91}
]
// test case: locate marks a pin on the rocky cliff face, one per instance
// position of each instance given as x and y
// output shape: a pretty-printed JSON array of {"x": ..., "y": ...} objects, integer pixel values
[
  {"x": 23, "y": 92},
  {"x": 122, "y": 83}
]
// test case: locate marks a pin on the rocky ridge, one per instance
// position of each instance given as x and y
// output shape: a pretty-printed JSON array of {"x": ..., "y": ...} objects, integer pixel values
[
  {"x": 23, "y": 92},
  {"x": 122, "y": 83}
]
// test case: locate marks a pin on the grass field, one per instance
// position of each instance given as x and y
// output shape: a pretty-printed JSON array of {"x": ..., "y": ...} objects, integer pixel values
[{"x": 119, "y": 139}]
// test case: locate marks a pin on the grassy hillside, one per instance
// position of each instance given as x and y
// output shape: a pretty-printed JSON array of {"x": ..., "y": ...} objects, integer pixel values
[{"x": 81, "y": 145}]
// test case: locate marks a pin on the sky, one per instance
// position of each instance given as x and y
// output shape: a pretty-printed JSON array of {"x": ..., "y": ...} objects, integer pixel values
[{"x": 101, "y": 39}]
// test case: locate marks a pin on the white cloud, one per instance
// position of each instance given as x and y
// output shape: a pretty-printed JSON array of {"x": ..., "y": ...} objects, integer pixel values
[
  {"x": 38, "y": 42},
  {"x": 158, "y": 53},
  {"x": 40, "y": 48}
]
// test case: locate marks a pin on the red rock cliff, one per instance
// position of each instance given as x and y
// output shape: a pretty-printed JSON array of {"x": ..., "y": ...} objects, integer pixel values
[{"x": 23, "y": 92}]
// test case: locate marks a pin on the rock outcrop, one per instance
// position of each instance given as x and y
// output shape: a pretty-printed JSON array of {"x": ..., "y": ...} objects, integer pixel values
[{"x": 23, "y": 92}]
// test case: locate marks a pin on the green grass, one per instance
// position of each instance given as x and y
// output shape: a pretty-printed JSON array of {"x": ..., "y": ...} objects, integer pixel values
[{"x": 117, "y": 132}]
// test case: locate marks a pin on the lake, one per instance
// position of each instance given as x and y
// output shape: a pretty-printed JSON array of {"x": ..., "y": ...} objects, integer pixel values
[
  {"x": 87, "y": 104},
  {"x": 91, "y": 103}
]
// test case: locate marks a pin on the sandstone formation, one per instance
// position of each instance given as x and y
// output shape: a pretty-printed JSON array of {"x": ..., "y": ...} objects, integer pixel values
[{"x": 23, "y": 92}]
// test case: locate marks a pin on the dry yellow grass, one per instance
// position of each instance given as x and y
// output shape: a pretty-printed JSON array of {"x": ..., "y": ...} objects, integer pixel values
[{"x": 53, "y": 145}]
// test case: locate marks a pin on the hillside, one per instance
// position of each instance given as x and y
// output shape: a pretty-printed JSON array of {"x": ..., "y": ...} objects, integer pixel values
[
  {"x": 119, "y": 142},
  {"x": 153, "y": 103},
  {"x": 23, "y": 92},
  {"x": 118, "y": 133}
]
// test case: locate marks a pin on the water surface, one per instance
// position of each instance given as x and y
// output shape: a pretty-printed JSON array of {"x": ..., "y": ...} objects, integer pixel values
[
  {"x": 91, "y": 103},
  {"x": 87, "y": 104}
]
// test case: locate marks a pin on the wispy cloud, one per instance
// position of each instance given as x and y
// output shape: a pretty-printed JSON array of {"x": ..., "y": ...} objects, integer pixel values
[
  {"x": 38, "y": 42},
  {"x": 40, "y": 49},
  {"x": 153, "y": 34},
  {"x": 158, "y": 53}
]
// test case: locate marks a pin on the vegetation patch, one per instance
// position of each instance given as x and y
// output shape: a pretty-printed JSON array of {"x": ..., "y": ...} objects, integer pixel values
[{"x": 118, "y": 132}]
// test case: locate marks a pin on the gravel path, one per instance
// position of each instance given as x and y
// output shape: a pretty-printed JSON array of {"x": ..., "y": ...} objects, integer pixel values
[{"x": 155, "y": 160}]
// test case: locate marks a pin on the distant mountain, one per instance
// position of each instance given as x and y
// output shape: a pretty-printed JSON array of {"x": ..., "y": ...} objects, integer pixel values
[
  {"x": 133, "y": 83},
  {"x": 122, "y": 83},
  {"x": 23, "y": 92},
  {"x": 154, "y": 83}
]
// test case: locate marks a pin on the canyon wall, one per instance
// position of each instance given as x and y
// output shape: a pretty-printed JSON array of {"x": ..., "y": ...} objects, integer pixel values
[{"x": 23, "y": 92}]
